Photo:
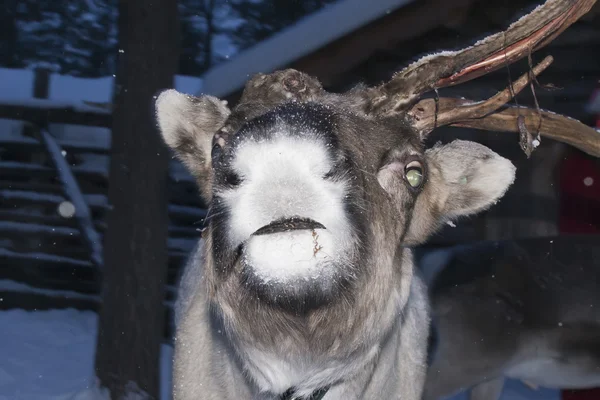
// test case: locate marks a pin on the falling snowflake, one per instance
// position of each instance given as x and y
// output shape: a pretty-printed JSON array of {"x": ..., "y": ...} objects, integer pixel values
[{"x": 66, "y": 209}]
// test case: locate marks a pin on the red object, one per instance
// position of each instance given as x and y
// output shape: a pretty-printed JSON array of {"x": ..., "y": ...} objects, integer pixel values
[
  {"x": 580, "y": 213},
  {"x": 590, "y": 394}
]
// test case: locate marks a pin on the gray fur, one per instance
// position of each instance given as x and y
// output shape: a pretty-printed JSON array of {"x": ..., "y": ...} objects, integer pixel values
[
  {"x": 527, "y": 309},
  {"x": 364, "y": 334}
]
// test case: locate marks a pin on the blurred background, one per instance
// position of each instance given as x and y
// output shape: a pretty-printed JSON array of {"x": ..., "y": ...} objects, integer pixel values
[{"x": 96, "y": 217}]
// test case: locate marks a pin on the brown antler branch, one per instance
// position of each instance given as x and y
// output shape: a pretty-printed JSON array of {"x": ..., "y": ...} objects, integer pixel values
[
  {"x": 526, "y": 35},
  {"x": 553, "y": 126},
  {"x": 429, "y": 114}
]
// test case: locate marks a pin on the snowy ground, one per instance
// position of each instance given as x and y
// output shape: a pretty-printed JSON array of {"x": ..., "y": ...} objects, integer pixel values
[
  {"x": 49, "y": 355},
  {"x": 515, "y": 390}
]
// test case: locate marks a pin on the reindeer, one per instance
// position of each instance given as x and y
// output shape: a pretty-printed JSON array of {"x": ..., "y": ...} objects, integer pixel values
[
  {"x": 526, "y": 309},
  {"x": 303, "y": 285}
]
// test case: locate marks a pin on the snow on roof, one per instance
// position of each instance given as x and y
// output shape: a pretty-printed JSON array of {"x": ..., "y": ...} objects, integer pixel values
[
  {"x": 81, "y": 94},
  {"x": 305, "y": 37},
  {"x": 70, "y": 89},
  {"x": 16, "y": 84},
  {"x": 16, "y": 88}
]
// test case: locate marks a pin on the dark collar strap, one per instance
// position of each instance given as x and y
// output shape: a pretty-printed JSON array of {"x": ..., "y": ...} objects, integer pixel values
[{"x": 316, "y": 395}]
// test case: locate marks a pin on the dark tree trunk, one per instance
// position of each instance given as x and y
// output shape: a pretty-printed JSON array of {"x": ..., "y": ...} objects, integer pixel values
[
  {"x": 209, "y": 6},
  {"x": 9, "y": 35},
  {"x": 135, "y": 248}
]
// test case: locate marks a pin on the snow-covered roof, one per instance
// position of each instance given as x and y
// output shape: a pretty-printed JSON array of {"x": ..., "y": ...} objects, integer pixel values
[
  {"x": 16, "y": 87},
  {"x": 308, "y": 35}
]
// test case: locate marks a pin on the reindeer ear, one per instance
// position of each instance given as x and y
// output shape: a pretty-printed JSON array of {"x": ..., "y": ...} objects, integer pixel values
[
  {"x": 463, "y": 178},
  {"x": 187, "y": 124}
]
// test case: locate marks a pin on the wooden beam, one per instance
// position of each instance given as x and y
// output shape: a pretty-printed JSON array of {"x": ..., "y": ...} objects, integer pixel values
[
  {"x": 330, "y": 62},
  {"x": 43, "y": 112},
  {"x": 340, "y": 56}
]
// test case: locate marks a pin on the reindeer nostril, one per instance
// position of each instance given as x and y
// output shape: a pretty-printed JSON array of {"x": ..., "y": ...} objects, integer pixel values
[
  {"x": 330, "y": 174},
  {"x": 233, "y": 179}
]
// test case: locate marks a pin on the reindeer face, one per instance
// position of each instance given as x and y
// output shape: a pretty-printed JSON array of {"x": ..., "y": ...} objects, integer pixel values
[
  {"x": 308, "y": 193},
  {"x": 283, "y": 199}
]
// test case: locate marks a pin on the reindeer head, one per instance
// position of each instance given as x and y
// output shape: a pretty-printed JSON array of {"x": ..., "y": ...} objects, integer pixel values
[
  {"x": 311, "y": 191},
  {"x": 306, "y": 189}
]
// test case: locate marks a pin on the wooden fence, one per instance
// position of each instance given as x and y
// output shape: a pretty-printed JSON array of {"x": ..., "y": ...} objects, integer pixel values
[{"x": 49, "y": 207}]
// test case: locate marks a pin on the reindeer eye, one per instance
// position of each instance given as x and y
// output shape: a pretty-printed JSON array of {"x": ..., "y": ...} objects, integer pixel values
[{"x": 414, "y": 174}]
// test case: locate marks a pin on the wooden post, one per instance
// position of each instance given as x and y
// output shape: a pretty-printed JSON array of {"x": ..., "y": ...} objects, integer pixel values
[
  {"x": 41, "y": 86},
  {"x": 135, "y": 243},
  {"x": 41, "y": 83}
]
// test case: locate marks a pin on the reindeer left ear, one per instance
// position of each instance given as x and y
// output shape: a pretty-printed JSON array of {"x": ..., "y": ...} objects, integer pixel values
[
  {"x": 187, "y": 124},
  {"x": 463, "y": 178}
]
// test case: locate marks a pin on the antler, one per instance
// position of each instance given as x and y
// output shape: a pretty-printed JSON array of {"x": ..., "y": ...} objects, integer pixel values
[
  {"x": 429, "y": 114},
  {"x": 494, "y": 115},
  {"x": 528, "y": 34},
  {"x": 554, "y": 126},
  {"x": 435, "y": 71}
]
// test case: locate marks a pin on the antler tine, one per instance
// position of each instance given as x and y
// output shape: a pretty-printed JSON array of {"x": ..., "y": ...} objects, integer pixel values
[
  {"x": 528, "y": 34},
  {"x": 553, "y": 126},
  {"x": 429, "y": 114}
]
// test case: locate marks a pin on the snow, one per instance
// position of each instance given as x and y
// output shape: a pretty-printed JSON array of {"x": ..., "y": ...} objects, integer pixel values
[
  {"x": 81, "y": 94},
  {"x": 516, "y": 390},
  {"x": 15, "y": 84},
  {"x": 49, "y": 355},
  {"x": 303, "y": 38},
  {"x": 70, "y": 89},
  {"x": 16, "y": 87}
]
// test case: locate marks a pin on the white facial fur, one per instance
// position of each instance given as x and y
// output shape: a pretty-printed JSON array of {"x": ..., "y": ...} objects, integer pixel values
[{"x": 283, "y": 177}]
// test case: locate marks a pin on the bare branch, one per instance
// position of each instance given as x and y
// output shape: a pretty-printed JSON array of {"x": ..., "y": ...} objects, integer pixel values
[
  {"x": 526, "y": 35},
  {"x": 427, "y": 115}
]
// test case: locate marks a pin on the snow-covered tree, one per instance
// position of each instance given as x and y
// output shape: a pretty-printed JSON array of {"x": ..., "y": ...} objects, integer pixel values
[
  {"x": 9, "y": 35},
  {"x": 76, "y": 37},
  {"x": 205, "y": 34}
]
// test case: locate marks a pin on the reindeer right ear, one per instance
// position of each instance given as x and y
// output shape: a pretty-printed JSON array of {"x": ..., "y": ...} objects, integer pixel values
[
  {"x": 187, "y": 124},
  {"x": 464, "y": 178}
]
